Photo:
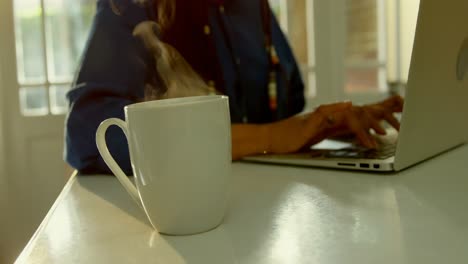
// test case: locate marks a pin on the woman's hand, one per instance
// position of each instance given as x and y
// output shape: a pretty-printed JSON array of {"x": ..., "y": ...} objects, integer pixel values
[{"x": 297, "y": 132}]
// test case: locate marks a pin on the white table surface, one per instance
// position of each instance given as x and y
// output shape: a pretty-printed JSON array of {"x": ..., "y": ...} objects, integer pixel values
[{"x": 277, "y": 215}]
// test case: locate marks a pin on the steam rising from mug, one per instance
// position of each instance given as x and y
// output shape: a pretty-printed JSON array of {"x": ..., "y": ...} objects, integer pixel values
[
  {"x": 172, "y": 76},
  {"x": 176, "y": 76}
]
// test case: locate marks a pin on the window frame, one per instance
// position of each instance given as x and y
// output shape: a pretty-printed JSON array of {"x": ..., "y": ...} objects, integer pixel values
[
  {"x": 48, "y": 82},
  {"x": 325, "y": 71},
  {"x": 330, "y": 38}
]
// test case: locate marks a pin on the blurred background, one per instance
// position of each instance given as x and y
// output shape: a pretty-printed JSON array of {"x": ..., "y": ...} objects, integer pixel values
[{"x": 347, "y": 49}]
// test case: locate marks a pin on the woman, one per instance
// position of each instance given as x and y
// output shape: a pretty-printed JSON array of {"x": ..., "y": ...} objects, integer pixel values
[{"x": 237, "y": 47}]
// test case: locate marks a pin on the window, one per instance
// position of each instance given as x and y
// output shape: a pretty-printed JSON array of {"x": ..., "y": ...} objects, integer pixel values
[
  {"x": 365, "y": 50},
  {"x": 364, "y": 45},
  {"x": 50, "y": 35},
  {"x": 296, "y": 20}
]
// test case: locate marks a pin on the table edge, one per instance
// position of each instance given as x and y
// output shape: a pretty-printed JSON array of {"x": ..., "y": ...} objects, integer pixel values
[{"x": 28, "y": 248}]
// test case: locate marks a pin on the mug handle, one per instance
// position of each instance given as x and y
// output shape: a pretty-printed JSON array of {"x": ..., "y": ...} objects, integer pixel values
[{"x": 109, "y": 160}]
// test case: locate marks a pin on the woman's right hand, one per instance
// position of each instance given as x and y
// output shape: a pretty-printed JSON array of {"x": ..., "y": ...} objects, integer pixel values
[{"x": 292, "y": 134}]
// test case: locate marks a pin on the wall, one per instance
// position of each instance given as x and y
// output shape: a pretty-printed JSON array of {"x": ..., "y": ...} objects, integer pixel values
[
  {"x": 2, "y": 138},
  {"x": 34, "y": 145},
  {"x": 400, "y": 37},
  {"x": 3, "y": 182},
  {"x": 2, "y": 119},
  {"x": 409, "y": 13},
  {"x": 393, "y": 45}
]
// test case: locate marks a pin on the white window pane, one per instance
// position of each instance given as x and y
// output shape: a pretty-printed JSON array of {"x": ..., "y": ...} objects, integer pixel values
[
  {"x": 363, "y": 54},
  {"x": 361, "y": 80},
  {"x": 29, "y": 44},
  {"x": 311, "y": 85},
  {"x": 58, "y": 101},
  {"x": 280, "y": 9},
  {"x": 301, "y": 37},
  {"x": 67, "y": 26},
  {"x": 361, "y": 30},
  {"x": 309, "y": 78},
  {"x": 295, "y": 18},
  {"x": 298, "y": 30},
  {"x": 33, "y": 101}
]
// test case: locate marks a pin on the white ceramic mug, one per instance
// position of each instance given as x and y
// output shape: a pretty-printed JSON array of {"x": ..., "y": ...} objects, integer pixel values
[{"x": 180, "y": 150}]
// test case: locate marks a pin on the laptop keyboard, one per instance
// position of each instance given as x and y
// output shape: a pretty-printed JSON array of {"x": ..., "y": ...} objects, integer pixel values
[
  {"x": 386, "y": 149},
  {"x": 383, "y": 152}
]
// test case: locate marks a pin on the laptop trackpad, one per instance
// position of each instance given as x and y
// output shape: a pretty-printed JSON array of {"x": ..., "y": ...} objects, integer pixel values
[
  {"x": 333, "y": 148},
  {"x": 331, "y": 144}
]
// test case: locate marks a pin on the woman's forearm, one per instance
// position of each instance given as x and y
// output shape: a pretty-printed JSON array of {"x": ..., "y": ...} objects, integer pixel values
[
  {"x": 249, "y": 140},
  {"x": 285, "y": 136}
]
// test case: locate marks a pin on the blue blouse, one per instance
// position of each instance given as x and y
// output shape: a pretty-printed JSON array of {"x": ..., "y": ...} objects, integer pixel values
[{"x": 113, "y": 72}]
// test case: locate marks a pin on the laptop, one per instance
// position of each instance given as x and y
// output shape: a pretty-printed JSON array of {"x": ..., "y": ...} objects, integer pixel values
[{"x": 434, "y": 117}]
